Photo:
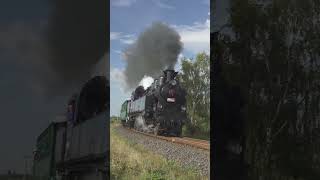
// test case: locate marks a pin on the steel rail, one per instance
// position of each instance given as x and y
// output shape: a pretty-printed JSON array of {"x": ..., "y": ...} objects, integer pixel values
[{"x": 198, "y": 143}]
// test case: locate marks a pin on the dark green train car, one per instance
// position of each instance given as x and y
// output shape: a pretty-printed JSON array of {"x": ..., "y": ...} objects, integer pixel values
[
  {"x": 49, "y": 148},
  {"x": 124, "y": 111}
]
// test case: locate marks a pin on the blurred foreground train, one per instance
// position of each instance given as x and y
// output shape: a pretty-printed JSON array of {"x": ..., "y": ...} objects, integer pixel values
[
  {"x": 160, "y": 109},
  {"x": 77, "y": 148}
]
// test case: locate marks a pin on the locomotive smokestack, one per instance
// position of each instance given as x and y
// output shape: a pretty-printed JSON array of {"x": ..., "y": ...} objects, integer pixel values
[
  {"x": 157, "y": 48},
  {"x": 168, "y": 74}
]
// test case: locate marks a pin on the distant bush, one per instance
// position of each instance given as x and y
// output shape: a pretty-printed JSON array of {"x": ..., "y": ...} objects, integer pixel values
[{"x": 114, "y": 119}]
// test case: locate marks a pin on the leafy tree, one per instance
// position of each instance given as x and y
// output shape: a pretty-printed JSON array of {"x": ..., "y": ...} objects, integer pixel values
[
  {"x": 274, "y": 58},
  {"x": 195, "y": 78}
]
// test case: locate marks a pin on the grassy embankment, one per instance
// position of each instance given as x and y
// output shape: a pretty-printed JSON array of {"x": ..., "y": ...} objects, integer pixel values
[
  {"x": 197, "y": 134},
  {"x": 186, "y": 131},
  {"x": 131, "y": 161}
]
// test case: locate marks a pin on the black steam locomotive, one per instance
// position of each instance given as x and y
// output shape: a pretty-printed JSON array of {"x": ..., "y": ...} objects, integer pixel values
[{"x": 160, "y": 109}]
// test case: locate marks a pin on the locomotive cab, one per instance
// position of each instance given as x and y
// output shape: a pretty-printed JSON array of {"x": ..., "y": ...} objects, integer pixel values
[{"x": 87, "y": 132}]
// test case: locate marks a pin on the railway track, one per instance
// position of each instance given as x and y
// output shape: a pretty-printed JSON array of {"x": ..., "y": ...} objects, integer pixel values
[{"x": 198, "y": 143}]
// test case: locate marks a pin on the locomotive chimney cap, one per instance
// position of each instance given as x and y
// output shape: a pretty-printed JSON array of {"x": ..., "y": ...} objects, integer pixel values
[
  {"x": 170, "y": 74},
  {"x": 168, "y": 70}
]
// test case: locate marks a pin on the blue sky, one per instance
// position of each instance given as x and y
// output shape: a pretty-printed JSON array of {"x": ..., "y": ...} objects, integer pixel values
[{"x": 129, "y": 18}]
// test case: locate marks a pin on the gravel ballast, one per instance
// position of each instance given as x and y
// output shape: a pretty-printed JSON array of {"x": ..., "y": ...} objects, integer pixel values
[{"x": 186, "y": 155}]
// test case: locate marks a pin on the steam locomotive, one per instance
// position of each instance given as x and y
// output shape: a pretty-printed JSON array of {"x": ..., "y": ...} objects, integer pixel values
[
  {"x": 160, "y": 109},
  {"x": 77, "y": 146}
]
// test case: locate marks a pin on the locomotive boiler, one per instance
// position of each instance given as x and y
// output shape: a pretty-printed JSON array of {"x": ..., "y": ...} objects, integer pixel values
[{"x": 159, "y": 109}]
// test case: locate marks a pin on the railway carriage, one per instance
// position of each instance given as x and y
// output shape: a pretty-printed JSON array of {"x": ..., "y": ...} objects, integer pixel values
[{"x": 49, "y": 149}]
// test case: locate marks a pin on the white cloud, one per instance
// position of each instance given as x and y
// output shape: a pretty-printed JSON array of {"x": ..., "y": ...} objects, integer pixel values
[
  {"x": 123, "y": 38},
  {"x": 117, "y": 51},
  {"x": 115, "y": 35},
  {"x": 196, "y": 37},
  {"x": 162, "y": 4},
  {"x": 128, "y": 39},
  {"x": 117, "y": 77},
  {"x": 122, "y": 3},
  {"x": 178, "y": 67},
  {"x": 117, "y": 89},
  {"x": 123, "y": 55}
]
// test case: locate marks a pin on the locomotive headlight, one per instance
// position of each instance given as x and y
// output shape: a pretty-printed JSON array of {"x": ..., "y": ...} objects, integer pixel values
[
  {"x": 183, "y": 108},
  {"x": 173, "y": 82}
]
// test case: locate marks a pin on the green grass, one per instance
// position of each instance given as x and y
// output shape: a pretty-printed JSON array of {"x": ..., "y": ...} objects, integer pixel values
[
  {"x": 195, "y": 135},
  {"x": 130, "y": 161}
]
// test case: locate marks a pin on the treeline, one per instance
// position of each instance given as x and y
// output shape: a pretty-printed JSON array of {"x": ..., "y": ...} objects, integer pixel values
[
  {"x": 273, "y": 57},
  {"x": 114, "y": 119},
  {"x": 195, "y": 78}
]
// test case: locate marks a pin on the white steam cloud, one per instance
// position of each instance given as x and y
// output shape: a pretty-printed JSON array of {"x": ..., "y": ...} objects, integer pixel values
[{"x": 146, "y": 81}]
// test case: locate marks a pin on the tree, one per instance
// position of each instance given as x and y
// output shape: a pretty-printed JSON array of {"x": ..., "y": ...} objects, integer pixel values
[
  {"x": 195, "y": 78},
  {"x": 114, "y": 119},
  {"x": 274, "y": 58}
]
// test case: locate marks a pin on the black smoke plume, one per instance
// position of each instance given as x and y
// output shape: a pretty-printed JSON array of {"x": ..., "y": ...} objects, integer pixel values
[
  {"x": 156, "y": 49},
  {"x": 77, "y": 36}
]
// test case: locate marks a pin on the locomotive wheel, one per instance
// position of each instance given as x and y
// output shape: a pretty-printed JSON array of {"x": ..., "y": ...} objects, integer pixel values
[
  {"x": 135, "y": 126},
  {"x": 156, "y": 130},
  {"x": 179, "y": 130},
  {"x": 179, "y": 134},
  {"x": 131, "y": 124}
]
